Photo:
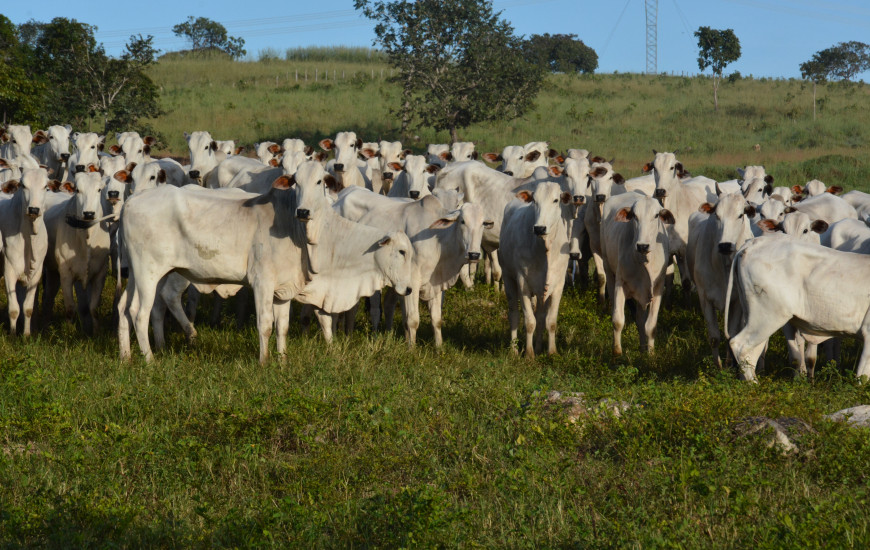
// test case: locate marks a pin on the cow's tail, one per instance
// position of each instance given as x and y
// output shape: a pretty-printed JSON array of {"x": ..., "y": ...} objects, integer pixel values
[{"x": 728, "y": 289}]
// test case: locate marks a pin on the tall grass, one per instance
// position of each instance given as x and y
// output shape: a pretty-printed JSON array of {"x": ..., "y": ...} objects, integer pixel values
[
  {"x": 620, "y": 115},
  {"x": 344, "y": 54}
]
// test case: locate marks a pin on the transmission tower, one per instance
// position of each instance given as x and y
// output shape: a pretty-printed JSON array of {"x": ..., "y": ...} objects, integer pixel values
[{"x": 652, "y": 10}]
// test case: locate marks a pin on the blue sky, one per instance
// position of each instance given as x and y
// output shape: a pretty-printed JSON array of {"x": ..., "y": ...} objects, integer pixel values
[{"x": 775, "y": 35}]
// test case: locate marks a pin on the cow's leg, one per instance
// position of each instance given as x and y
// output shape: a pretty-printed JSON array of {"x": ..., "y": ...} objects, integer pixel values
[
  {"x": 618, "y": 316},
  {"x": 411, "y": 314},
  {"x": 735, "y": 320},
  {"x": 350, "y": 319},
  {"x": 263, "y": 297},
  {"x": 552, "y": 319},
  {"x": 863, "y": 372},
  {"x": 158, "y": 322},
  {"x": 749, "y": 344},
  {"x": 496, "y": 270},
  {"x": 466, "y": 276},
  {"x": 435, "y": 313},
  {"x": 217, "y": 307},
  {"x": 325, "y": 320},
  {"x": 95, "y": 293},
  {"x": 12, "y": 298},
  {"x": 29, "y": 299},
  {"x": 602, "y": 278},
  {"x": 391, "y": 301},
  {"x": 652, "y": 319},
  {"x": 812, "y": 355},
  {"x": 795, "y": 342},
  {"x": 66, "y": 286},
  {"x": 146, "y": 290},
  {"x": 487, "y": 267},
  {"x": 281, "y": 311},
  {"x": 50, "y": 287},
  {"x": 192, "y": 302},
  {"x": 685, "y": 276},
  {"x": 540, "y": 323},
  {"x": 713, "y": 335},
  {"x": 511, "y": 291},
  {"x": 82, "y": 303},
  {"x": 531, "y": 324},
  {"x": 124, "y": 299},
  {"x": 375, "y": 310}
]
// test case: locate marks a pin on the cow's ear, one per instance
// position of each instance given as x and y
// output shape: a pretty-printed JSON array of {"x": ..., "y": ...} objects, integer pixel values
[
  {"x": 797, "y": 189},
  {"x": 790, "y": 209},
  {"x": 331, "y": 183},
  {"x": 275, "y": 149},
  {"x": 819, "y": 226},
  {"x": 533, "y": 156},
  {"x": 146, "y": 150},
  {"x": 93, "y": 168},
  {"x": 273, "y": 162},
  {"x": 797, "y": 198},
  {"x": 655, "y": 152},
  {"x": 526, "y": 196},
  {"x": 239, "y": 150},
  {"x": 565, "y": 197},
  {"x": 130, "y": 167},
  {"x": 68, "y": 186},
  {"x": 432, "y": 168},
  {"x": 624, "y": 215},
  {"x": 474, "y": 155},
  {"x": 161, "y": 176},
  {"x": 769, "y": 226},
  {"x": 39, "y": 137},
  {"x": 749, "y": 210},
  {"x": 552, "y": 153},
  {"x": 149, "y": 140},
  {"x": 560, "y": 159},
  {"x": 446, "y": 155},
  {"x": 358, "y": 143},
  {"x": 598, "y": 172},
  {"x": 122, "y": 175},
  {"x": 446, "y": 221},
  {"x": 320, "y": 156},
  {"x": 385, "y": 241},
  {"x": 395, "y": 166},
  {"x": 768, "y": 189},
  {"x": 555, "y": 171},
  {"x": 834, "y": 190},
  {"x": 768, "y": 179},
  {"x": 10, "y": 186},
  {"x": 707, "y": 208},
  {"x": 308, "y": 150},
  {"x": 54, "y": 185},
  {"x": 368, "y": 153},
  {"x": 666, "y": 216},
  {"x": 115, "y": 150},
  {"x": 326, "y": 144},
  {"x": 284, "y": 182},
  {"x": 491, "y": 157},
  {"x": 618, "y": 179},
  {"x": 213, "y": 145},
  {"x": 647, "y": 167}
]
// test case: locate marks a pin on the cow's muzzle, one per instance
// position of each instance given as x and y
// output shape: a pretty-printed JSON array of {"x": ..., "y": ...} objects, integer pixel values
[
  {"x": 114, "y": 196},
  {"x": 338, "y": 167},
  {"x": 89, "y": 216},
  {"x": 540, "y": 230},
  {"x": 660, "y": 193},
  {"x": 726, "y": 248},
  {"x": 574, "y": 256},
  {"x": 579, "y": 200},
  {"x": 643, "y": 248},
  {"x": 303, "y": 214},
  {"x": 194, "y": 174},
  {"x": 388, "y": 175},
  {"x": 80, "y": 168},
  {"x": 414, "y": 194},
  {"x": 33, "y": 212},
  {"x": 600, "y": 198},
  {"x": 508, "y": 173},
  {"x": 64, "y": 157},
  {"x": 474, "y": 256}
]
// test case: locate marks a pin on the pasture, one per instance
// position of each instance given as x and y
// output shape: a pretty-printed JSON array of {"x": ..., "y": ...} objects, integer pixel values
[{"x": 367, "y": 443}]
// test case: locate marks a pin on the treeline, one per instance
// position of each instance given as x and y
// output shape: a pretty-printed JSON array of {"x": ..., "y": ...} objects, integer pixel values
[{"x": 56, "y": 72}]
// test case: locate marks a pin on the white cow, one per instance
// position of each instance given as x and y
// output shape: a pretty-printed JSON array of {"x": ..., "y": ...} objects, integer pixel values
[
  {"x": 228, "y": 147},
  {"x": 413, "y": 179},
  {"x": 849, "y": 236},
  {"x": 296, "y": 145},
  {"x": 269, "y": 152},
  {"x": 436, "y": 153},
  {"x": 15, "y": 143},
  {"x": 602, "y": 183},
  {"x": 769, "y": 275},
  {"x": 25, "y": 242},
  {"x": 348, "y": 166},
  {"x": 860, "y": 201},
  {"x": 521, "y": 161},
  {"x": 814, "y": 188},
  {"x": 86, "y": 151},
  {"x": 826, "y": 206},
  {"x": 390, "y": 152},
  {"x": 534, "y": 250},
  {"x": 52, "y": 148},
  {"x": 79, "y": 245},
  {"x": 133, "y": 147},
  {"x": 635, "y": 249},
  {"x": 203, "y": 158},
  {"x": 716, "y": 232}
]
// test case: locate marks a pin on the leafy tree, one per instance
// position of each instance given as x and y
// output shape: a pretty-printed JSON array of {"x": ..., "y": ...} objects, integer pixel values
[
  {"x": 562, "y": 53},
  {"x": 458, "y": 63},
  {"x": 815, "y": 71},
  {"x": 717, "y": 50},
  {"x": 204, "y": 34},
  {"x": 20, "y": 95},
  {"x": 840, "y": 62}
]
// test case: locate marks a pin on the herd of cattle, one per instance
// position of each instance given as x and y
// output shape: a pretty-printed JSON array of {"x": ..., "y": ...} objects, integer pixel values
[{"x": 292, "y": 225}]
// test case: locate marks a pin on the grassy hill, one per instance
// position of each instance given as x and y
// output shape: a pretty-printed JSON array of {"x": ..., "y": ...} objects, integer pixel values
[
  {"x": 620, "y": 115},
  {"x": 367, "y": 443}
]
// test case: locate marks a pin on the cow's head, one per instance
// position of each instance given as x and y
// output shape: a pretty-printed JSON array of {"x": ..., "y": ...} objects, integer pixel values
[
  {"x": 268, "y": 150},
  {"x": 310, "y": 183},
  {"x": 140, "y": 177},
  {"x": 648, "y": 218},
  {"x": 773, "y": 208},
  {"x": 667, "y": 172},
  {"x": 113, "y": 195},
  {"x": 32, "y": 187},
  {"x": 436, "y": 153},
  {"x": 58, "y": 140},
  {"x": 290, "y": 162},
  {"x": 815, "y": 188},
  {"x": 347, "y": 150},
  {"x": 134, "y": 147},
  {"x": 88, "y": 146},
  {"x": 451, "y": 199},
  {"x": 732, "y": 216},
  {"x": 87, "y": 195},
  {"x": 293, "y": 145},
  {"x": 511, "y": 159},
  {"x": 757, "y": 190},
  {"x": 20, "y": 140},
  {"x": 394, "y": 257},
  {"x": 601, "y": 181},
  {"x": 389, "y": 153},
  {"x": 417, "y": 175},
  {"x": 462, "y": 151},
  {"x": 548, "y": 201},
  {"x": 471, "y": 222},
  {"x": 576, "y": 172},
  {"x": 202, "y": 154},
  {"x": 535, "y": 153},
  {"x": 799, "y": 225}
]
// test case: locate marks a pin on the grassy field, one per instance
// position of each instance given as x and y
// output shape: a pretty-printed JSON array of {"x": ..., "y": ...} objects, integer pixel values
[{"x": 366, "y": 443}]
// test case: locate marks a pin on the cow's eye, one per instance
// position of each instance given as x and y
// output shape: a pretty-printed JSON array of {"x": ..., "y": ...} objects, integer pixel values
[
  {"x": 318, "y": 182},
  {"x": 206, "y": 148},
  {"x": 806, "y": 230},
  {"x": 740, "y": 217},
  {"x": 402, "y": 252},
  {"x": 93, "y": 146},
  {"x": 555, "y": 201},
  {"x": 462, "y": 222},
  {"x": 50, "y": 137},
  {"x": 152, "y": 177}
]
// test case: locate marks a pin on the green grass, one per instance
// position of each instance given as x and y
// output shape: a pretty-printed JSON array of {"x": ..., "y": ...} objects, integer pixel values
[{"x": 366, "y": 443}]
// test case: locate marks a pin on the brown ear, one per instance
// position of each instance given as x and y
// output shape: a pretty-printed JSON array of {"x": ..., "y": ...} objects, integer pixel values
[
  {"x": 819, "y": 226},
  {"x": 100, "y": 146},
  {"x": 405, "y": 153},
  {"x": 797, "y": 198},
  {"x": 555, "y": 171},
  {"x": 597, "y": 159},
  {"x": 68, "y": 186},
  {"x": 308, "y": 150},
  {"x": 560, "y": 159},
  {"x": 598, "y": 172},
  {"x": 624, "y": 215},
  {"x": 533, "y": 156},
  {"x": 749, "y": 210},
  {"x": 358, "y": 143},
  {"x": 491, "y": 157},
  {"x": 273, "y": 162},
  {"x": 707, "y": 208},
  {"x": 385, "y": 241},
  {"x": 834, "y": 190},
  {"x": 396, "y": 166},
  {"x": 618, "y": 179},
  {"x": 284, "y": 182},
  {"x": 474, "y": 155},
  {"x": 275, "y": 149},
  {"x": 161, "y": 176},
  {"x": 666, "y": 216},
  {"x": 566, "y": 197},
  {"x": 10, "y": 186},
  {"x": 768, "y": 179},
  {"x": 130, "y": 166},
  {"x": 320, "y": 156},
  {"x": 790, "y": 209},
  {"x": 432, "y": 168},
  {"x": 239, "y": 150},
  {"x": 39, "y": 137},
  {"x": 446, "y": 155},
  {"x": 769, "y": 226},
  {"x": 768, "y": 189},
  {"x": 369, "y": 153},
  {"x": 796, "y": 189},
  {"x": 54, "y": 185},
  {"x": 93, "y": 168},
  {"x": 149, "y": 140},
  {"x": 122, "y": 175},
  {"x": 331, "y": 183},
  {"x": 115, "y": 150},
  {"x": 326, "y": 144},
  {"x": 647, "y": 167},
  {"x": 552, "y": 153},
  {"x": 526, "y": 196}
]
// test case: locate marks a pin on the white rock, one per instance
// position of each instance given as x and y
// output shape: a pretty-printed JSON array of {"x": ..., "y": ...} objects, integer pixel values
[{"x": 855, "y": 416}]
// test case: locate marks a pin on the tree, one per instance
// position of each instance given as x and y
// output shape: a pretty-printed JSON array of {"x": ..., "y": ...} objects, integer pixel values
[
  {"x": 458, "y": 63},
  {"x": 20, "y": 95},
  {"x": 717, "y": 50},
  {"x": 817, "y": 72},
  {"x": 204, "y": 34},
  {"x": 562, "y": 53},
  {"x": 81, "y": 82}
]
